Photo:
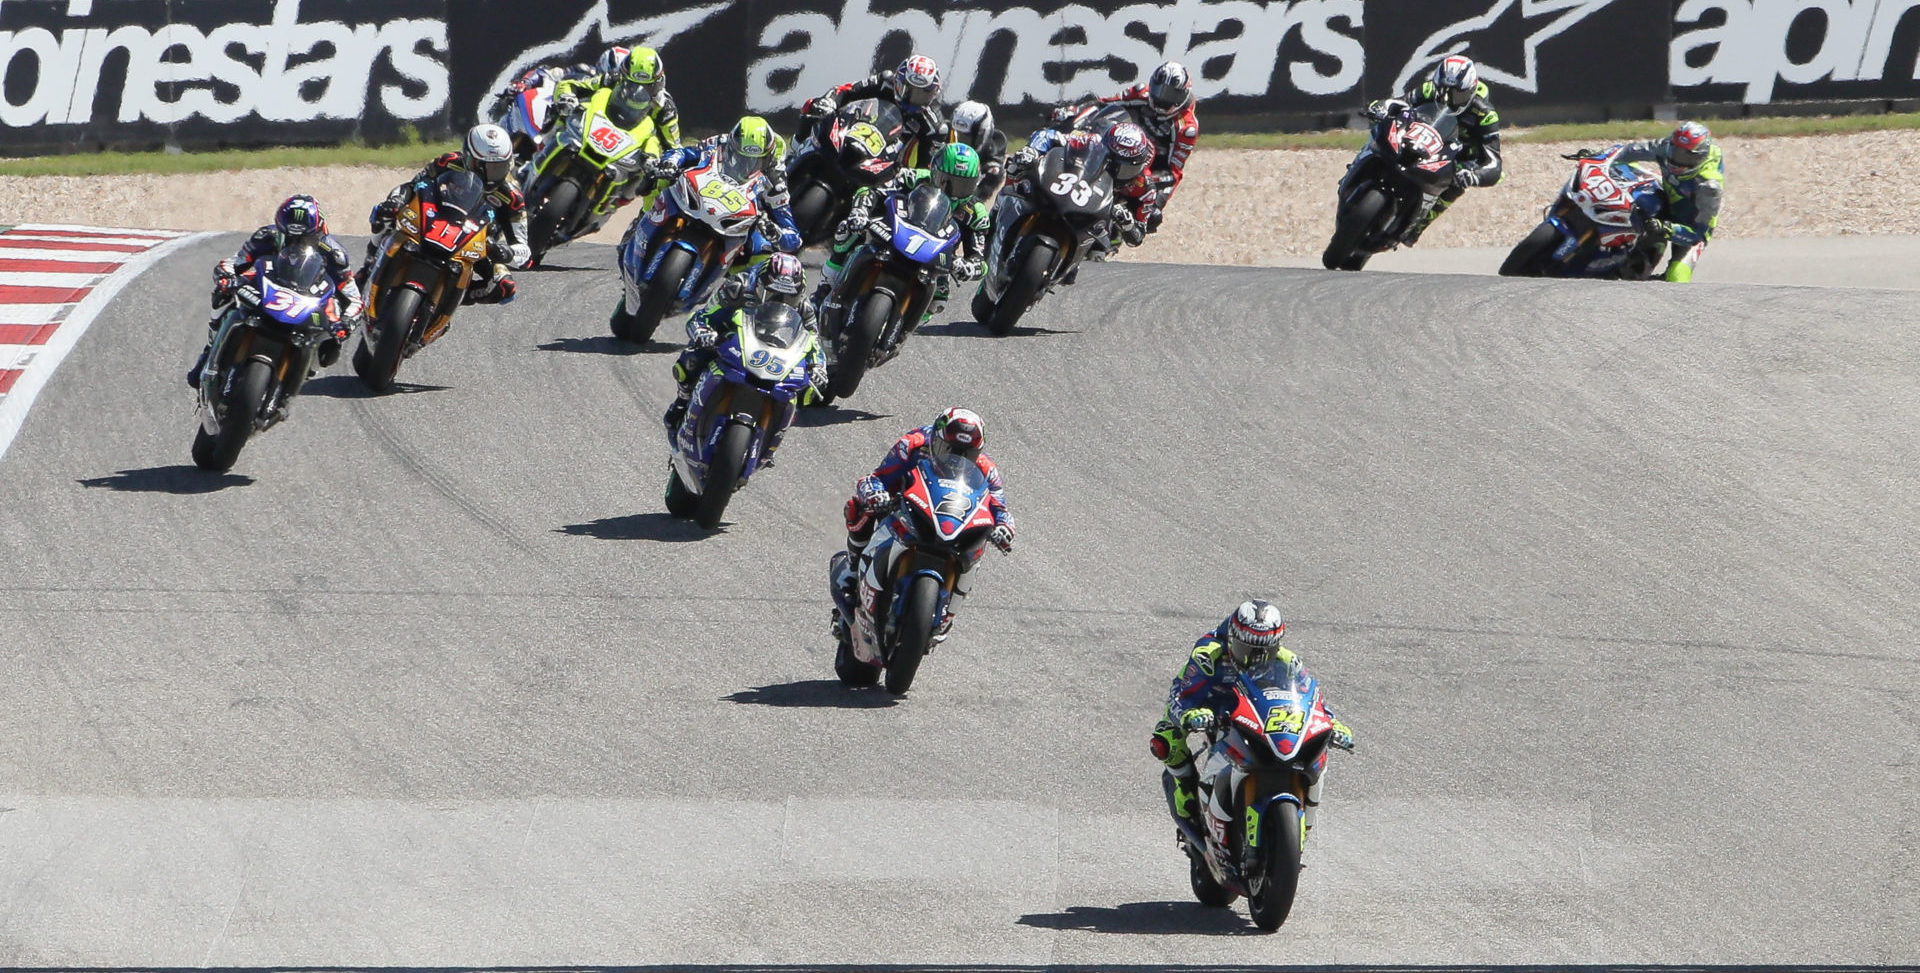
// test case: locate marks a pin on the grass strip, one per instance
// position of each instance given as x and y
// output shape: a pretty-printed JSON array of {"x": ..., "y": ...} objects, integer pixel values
[{"x": 169, "y": 163}]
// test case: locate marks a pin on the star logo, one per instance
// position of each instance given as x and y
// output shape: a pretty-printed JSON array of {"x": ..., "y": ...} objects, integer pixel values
[
  {"x": 1489, "y": 40},
  {"x": 596, "y": 32}
]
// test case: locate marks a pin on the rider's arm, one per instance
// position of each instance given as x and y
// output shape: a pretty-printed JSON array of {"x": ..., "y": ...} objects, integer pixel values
[
  {"x": 892, "y": 471},
  {"x": 996, "y": 490},
  {"x": 1645, "y": 150},
  {"x": 666, "y": 119},
  {"x": 340, "y": 270},
  {"x": 511, "y": 224},
  {"x": 1186, "y": 134},
  {"x": 1136, "y": 93},
  {"x": 1196, "y": 679},
  {"x": 974, "y": 221},
  {"x": 1481, "y": 125}
]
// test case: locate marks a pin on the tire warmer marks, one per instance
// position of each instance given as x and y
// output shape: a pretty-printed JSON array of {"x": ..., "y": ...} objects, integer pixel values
[{"x": 53, "y": 281}]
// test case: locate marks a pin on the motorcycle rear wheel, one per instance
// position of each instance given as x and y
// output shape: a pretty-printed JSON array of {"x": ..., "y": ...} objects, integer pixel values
[
  {"x": 916, "y": 633},
  {"x": 659, "y": 295},
  {"x": 1023, "y": 291},
  {"x": 548, "y": 216},
  {"x": 220, "y": 451},
  {"x": 723, "y": 474},
  {"x": 857, "y": 341},
  {"x": 397, "y": 310},
  {"x": 1271, "y": 904},
  {"x": 1530, "y": 258},
  {"x": 813, "y": 211},
  {"x": 1207, "y": 891},
  {"x": 853, "y": 673},
  {"x": 1351, "y": 226}
]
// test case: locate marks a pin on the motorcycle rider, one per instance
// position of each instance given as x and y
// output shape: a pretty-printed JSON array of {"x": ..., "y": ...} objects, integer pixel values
[
  {"x": 956, "y": 173},
  {"x": 780, "y": 278},
  {"x": 914, "y": 86},
  {"x": 1244, "y": 641},
  {"x": 953, "y": 432},
  {"x": 1163, "y": 107},
  {"x": 1456, "y": 89},
  {"x": 488, "y": 153},
  {"x": 972, "y": 125},
  {"x": 750, "y": 147},
  {"x": 297, "y": 220},
  {"x": 1129, "y": 155},
  {"x": 638, "y": 78},
  {"x": 1692, "y": 180}
]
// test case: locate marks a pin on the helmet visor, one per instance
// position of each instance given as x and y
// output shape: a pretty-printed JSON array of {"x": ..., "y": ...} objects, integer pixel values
[
  {"x": 1247, "y": 654},
  {"x": 956, "y": 187},
  {"x": 1686, "y": 161},
  {"x": 919, "y": 95}
]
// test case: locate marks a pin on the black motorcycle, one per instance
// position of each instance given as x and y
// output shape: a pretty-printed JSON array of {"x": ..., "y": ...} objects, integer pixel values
[
  {"x": 855, "y": 148},
  {"x": 1409, "y": 159},
  {"x": 1058, "y": 215}
]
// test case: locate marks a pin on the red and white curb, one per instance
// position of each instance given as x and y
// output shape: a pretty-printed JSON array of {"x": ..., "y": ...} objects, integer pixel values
[{"x": 54, "y": 280}]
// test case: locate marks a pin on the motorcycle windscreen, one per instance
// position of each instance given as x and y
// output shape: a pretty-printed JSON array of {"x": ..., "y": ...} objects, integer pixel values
[
  {"x": 777, "y": 325},
  {"x": 956, "y": 493},
  {"x": 459, "y": 196},
  {"x": 736, "y": 168},
  {"x": 927, "y": 209},
  {"x": 1281, "y": 692},
  {"x": 300, "y": 269}
]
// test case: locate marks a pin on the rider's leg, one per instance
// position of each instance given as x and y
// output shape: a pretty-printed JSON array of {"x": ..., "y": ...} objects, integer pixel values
[{"x": 1433, "y": 212}]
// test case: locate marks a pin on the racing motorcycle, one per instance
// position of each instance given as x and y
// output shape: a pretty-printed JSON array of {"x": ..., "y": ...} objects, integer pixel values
[
  {"x": 1254, "y": 773},
  {"x": 908, "y": 573},
  {"x": 741, "y": 407},
  {"x": 1063, "y": 216},
  {"x": 886, "y": 285},
  {"x": 421, "y": 275},
  {"x": 522, "y": 110},
  {"x": 1601, "y": 225},
  {"x": 672, "y": 258},
  {"x": 267, "y": 342},
  {"x": 855, "y": 148},
  {"x": 576, "y": 178},
  {"x": 1409, "y": 159}
]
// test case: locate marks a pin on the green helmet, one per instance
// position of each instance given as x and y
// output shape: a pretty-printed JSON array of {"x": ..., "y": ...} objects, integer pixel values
[
  {"x": 956, "y": 170},
  {"x": 640, "y": 78}
]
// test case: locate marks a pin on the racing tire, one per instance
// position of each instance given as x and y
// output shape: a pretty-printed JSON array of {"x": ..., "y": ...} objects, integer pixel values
[
  {"x": 813, "y": 211},
  {"x": 1023, "y": 291},
  {"x": 549, "y": 216},
  {"x": 218, "y": 452},
  {"x": 1274, "y": 900},
  {"x": 982, "y": 306},
  {"x": 659, "y": 295},
  {"x": 1206, "y": 891},
  {"x": 1350, "y": 228},
  {"x": 916, "y": 633},
  {"x": 1531, "y": 257},
  {"x": 397, "y": 311},
  {"x": 853, "y": 673},
  {"x": 681, "y": 502},
  {"x": 723, "y": 474},
  {"x": 856, "y": 344},
  {"x": 620, "y": 322}
]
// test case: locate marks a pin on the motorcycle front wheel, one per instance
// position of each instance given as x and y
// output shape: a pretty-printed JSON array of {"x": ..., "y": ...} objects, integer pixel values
[
  {"x": 1350, "y": 227},
  {"x": 1530, "y": 258},
  {"x": 397, "y": 310},
  {"x": 218, "y": 452},
  {"x": 550, "y": 215},
  {"x": 723, "y": 474},
  {"x": 915, "y": 634},
  {"x": 1274, "y": 899},
  {"x": 1023, "y": 291},
  {"x": 856, "y": 345},
  {"x": 657, "y": 300}
]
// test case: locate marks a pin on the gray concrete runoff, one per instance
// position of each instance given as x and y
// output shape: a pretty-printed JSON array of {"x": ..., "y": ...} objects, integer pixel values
[{"x": 1614, "y": 583}]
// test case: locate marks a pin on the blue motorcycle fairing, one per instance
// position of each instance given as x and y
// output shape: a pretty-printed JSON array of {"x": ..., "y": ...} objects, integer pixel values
[{"x": 919, "y": 244}]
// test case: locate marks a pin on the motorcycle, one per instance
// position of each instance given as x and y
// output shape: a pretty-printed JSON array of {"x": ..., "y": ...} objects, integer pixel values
[
  {"x": 1408, "y": 161},
  {"x": 855, "y": 148},
  {"x": 577, "y": 177},
  {"x": 909, "y": 571},
  {"x": 267, "y": 342},
  {"x": 672, "y": 258},
  {"x": 523, "y": 111},
  {"x": 1599, "y": 225},
  {"x": 741, "y": 407},
  {"x": 886, "y": 286},
  {"x": 1254, "y": 776},
  {"x": 421, "y": 275},
  {"x": 1041, "y": 234}
]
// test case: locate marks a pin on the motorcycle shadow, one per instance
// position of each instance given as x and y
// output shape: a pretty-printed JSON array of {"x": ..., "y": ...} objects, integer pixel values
[
  {"x": 180, "y": 480},
  {"x": 604, "y": 345},
  {"x": 822, "y": 693},
  {"x": 834, "y": 415},
  {"x": 655, "y": 526},
  {"x": 963, "y": 328},
  {"x": 1148, "y": 918},
  {"x": 349, "y": 387}
]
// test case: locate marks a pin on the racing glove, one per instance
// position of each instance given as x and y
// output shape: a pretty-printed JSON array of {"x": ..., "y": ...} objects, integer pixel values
[
  {"x": 1021, "y": 160},
  {"x": 965, "y": 270},
  {"x": 820, "y": 107},
  {"x": 1660, "y": 229},
  {"x": 872, "y": 494},
  {"x": 845, "y": 229},
  {"x": 1342, "y": 737},
  {"x": 701, "y": 336},
  {"x": 1465, "y": 178},
  {"x": 566, "y": 101},
  {"x": 1062, "y": 115},
  {"x": 1386, "y": 107},
  {"x": 1197, "y": 720},
  {"x": 1002, "y": 538}
]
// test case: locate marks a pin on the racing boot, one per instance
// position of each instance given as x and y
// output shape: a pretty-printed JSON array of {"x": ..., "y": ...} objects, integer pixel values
[
  {"x": 193, "y": 374},
  {"x": 1183, "y": 796},
  {"x": 677, "y": 412},
  {"x": 961, "y": 585}
]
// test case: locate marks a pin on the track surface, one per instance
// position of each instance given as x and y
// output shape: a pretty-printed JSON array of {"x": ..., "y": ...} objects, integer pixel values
[{"x": 1617, "y": 597}]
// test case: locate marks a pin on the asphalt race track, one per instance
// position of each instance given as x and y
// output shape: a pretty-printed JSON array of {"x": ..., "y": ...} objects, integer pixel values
[{"x": 1614, "y": 583}]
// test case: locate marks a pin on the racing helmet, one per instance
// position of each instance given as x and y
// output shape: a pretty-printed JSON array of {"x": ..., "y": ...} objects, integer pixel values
[
  {"x": 1688, "y": 148},
  {"x": 1254, "y": 633},
  {"x": 1170, "y": 89},
  {"x": 1128, "y": 150},
  {"x": 956, "y": 170},
  {"x": 916, "y": 81},
  {"x": 958, "y": 432},
  {"x": 298, "y": 216},
  {"x": 489, "y": 152},
  {"x": 785, "y": 278},
  {"x": 612, "y": 64},
  {"x": 972, "y": 125},
  {"x": 1454, "y": 81},
  {"x": 752, "y": 141}
]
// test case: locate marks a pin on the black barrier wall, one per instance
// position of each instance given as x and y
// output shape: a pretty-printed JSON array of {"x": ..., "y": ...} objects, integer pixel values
[{"x": 83, "y": 74}]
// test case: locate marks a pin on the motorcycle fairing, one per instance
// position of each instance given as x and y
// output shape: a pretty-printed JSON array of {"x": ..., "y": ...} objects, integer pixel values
[{"x": 923, "y": 231}]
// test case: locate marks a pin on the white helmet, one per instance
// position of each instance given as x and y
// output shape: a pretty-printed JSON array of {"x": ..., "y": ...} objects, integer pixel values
[
  {"x": 489, "y": 152},
  {"x": 973, "y": 124},
  {"x": 1254, "y": 633},
  {"x": 1455, "y": 79}
]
